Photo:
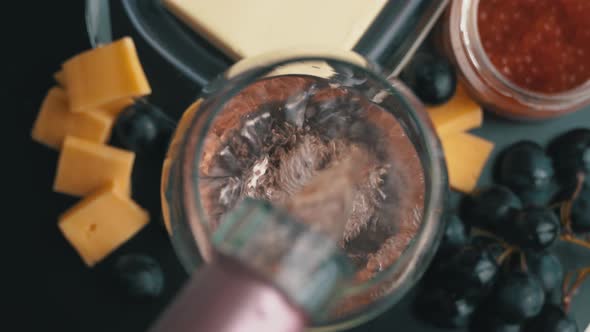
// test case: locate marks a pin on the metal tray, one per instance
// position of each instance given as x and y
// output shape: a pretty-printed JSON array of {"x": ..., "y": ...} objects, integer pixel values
[{"x": 186, "y": 62}]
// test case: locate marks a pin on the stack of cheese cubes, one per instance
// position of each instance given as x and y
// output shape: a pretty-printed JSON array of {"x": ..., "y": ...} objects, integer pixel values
[
  {"x": 76, "y": 118},
  {"x": 465, "y": 153}
]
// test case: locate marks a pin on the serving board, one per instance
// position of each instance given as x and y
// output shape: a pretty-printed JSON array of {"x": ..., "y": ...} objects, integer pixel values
[{"x": 61, "y": 293}]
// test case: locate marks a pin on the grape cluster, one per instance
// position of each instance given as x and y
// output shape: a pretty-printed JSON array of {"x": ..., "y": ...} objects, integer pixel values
[{"x": 494, "y": 270}]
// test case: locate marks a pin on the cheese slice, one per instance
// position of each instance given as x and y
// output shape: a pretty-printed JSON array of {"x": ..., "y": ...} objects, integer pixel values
[
  {"x": 104, "y": 75},
  {"x": 101, "y": 223},
  {"x": 55, "y": 121},
  {"x": 173, "y": 150},
  {"x": 183, "y": 125},
  {"x": 84, "y": 167},
  {"x": 246, "y": 28},
  {"x": 164, "y": 180},
  {"x": 459, "y": 114},
  {"x": 466, "y": 156}
]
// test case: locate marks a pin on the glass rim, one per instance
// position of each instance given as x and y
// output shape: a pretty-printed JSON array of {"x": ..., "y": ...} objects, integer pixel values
[{"x": 431, "y": 157}]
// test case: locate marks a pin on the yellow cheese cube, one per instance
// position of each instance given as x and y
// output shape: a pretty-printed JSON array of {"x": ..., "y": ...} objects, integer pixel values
[
  {"x": 84, "y": 167},
  {"x": 466, "y": 156},
  {"x": 104, "y": 75},
  {"x": 54, "y": 122},
  {"x": 123, "y": 187},
  {"x": 459, "y": 114},
  {"x": 101, "y": 223},
  {"x": 60, "y": 78}
]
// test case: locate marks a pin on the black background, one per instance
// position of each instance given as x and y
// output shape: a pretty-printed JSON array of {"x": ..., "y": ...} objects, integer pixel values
[{"x": 46, "y": 285}]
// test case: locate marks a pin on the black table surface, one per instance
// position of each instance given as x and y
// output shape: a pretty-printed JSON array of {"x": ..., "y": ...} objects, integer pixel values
[{"x": 48, "y": 285}]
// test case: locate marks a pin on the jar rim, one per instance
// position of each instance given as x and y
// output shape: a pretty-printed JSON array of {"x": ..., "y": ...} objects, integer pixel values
[{"x": 471, "y": 42}]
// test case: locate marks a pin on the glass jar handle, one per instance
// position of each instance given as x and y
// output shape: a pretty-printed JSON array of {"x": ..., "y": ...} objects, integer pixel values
[{"x": 398, "y": 31}]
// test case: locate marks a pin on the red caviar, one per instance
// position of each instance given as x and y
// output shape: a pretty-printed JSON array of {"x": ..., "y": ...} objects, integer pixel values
[{"x": 540, "y": 45}]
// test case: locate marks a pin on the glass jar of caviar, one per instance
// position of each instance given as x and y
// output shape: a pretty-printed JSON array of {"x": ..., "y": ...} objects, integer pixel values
[{"x": 523, "y": 59}]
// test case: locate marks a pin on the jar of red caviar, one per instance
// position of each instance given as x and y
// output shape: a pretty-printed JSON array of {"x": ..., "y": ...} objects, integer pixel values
[{"x": 523, "y": 59}]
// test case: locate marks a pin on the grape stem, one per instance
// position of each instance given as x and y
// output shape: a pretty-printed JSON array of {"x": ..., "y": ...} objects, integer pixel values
[
  {"x": 558, "y": 204},
  {"x": 523, "y": 264},
  {"x": 570, "y": 291},
  {"x": 580, "y": 177},
  {"x": 482, "y": 232},
  {"x": 566, "y": 216},
  {"x": 505, "y": 255},
  {"x": 572, "y": 239},
  {"x": 509, "y": 249},
  {"x": 565, "y": 212}
]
